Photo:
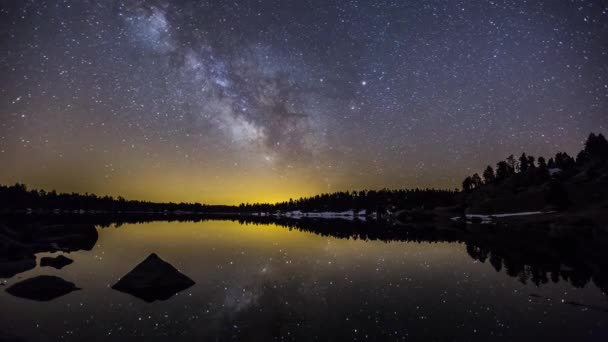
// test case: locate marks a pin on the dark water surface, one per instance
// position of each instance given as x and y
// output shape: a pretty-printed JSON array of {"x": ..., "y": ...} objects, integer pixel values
[{"x": 266, "y": 282}]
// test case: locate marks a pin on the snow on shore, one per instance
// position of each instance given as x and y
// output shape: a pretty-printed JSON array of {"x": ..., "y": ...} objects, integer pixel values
[
  {"x": 492, "y": 217},
  {"x": 345, "y": 215}
]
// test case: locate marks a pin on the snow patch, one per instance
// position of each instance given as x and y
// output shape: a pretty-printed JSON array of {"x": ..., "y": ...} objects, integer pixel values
[
  {"x": 345, "y": 215},
  {"x": 491, "y": 218},
  {"x": 555, "y": 171}
]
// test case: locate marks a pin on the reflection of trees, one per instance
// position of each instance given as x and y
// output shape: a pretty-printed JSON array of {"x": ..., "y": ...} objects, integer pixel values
[
  {"x": 530, "y": 255},
  {"x": 542, "y": 260}
]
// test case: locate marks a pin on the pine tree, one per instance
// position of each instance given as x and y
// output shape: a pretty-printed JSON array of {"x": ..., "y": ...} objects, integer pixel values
[
  {"x": 596, "y": 146},
  {"x": 512, "y": 165},
  {"x": 531, "y": 161},
  {"x": 542, "y": 164},
  {"x": 476, "y": 181},
  {"x": 523, "y": 163},
  {"x": 488, "y": 175},
  {"x": 502, "y": 170},
  {"x": 467, "y": 184}
]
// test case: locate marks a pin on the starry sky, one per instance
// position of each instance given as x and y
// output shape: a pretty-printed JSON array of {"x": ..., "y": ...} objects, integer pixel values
[{"x": 230, "y": 101}]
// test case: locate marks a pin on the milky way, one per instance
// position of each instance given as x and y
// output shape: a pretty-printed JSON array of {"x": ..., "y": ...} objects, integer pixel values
[{"x": 264, "y": 100}]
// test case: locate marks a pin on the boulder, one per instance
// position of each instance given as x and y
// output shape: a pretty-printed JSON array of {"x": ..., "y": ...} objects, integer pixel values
[
  {"x": 18, "y": 245},
  {"x": 13, "y": 265},
  {"x": 11, "y": 246},
  {"x": 15, "y": 257},
  {"x": 68, "y": 237},
  {"x": 42, "y": 288},
  {"x": 58, "y": 262},
  {"x": 153, "y": 279}
]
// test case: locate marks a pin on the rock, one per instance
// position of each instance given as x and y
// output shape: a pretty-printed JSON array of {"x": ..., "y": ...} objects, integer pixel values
[
  {"x": 58, "y": 262},
  {"x": 42, "y": 288},
  {"x": 47, "y": 238},
  {"x": 18, "y": 245},
  {"x": 11, "y": 246},
  {"x": 15, "y": 257},
  {"x": 14, "y": 265},
  {"x": 153, "y": 279},
  {"x": 70, "y": 237}
]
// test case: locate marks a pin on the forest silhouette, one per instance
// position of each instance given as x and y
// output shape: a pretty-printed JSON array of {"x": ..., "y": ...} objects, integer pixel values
[{"x": 521, "y": 173}]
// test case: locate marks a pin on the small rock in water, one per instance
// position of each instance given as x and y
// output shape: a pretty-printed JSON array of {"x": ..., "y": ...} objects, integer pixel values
[
  {"x": 58, "y": 262},
  {"x": 153, "y": 279},
  {"x": 42, "y": 288}
]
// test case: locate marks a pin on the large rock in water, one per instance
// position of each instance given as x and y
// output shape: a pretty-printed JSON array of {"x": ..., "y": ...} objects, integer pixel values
[
  {"x": 42, "y": 288},
  {"x": 58, "y": 262},
  {"x": 67, "y": 238},
  {"x": 15, "y": 257},
  {"x": 153, "y": 279},
  {"x": 19, "y": 244}
]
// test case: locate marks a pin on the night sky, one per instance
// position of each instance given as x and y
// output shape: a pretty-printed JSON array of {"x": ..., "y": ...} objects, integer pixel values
[{"x": 230, "y": 101}]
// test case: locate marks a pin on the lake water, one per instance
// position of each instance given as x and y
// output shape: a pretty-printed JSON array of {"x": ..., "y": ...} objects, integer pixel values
[{"x": 266, "y": 282}]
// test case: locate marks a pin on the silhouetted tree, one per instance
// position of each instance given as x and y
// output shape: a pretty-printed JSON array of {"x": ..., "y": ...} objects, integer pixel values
[
  {"x": 596, "y": 146},
  {"x": 582, "y": 157},
  {"x": 502, "y": 170},
  {"x": 542, "y": 171},
  {"x": 531, "y": 161},
  {"x": 488, "y": 175},
  {"x": 512, "y": 165},
  {"x": 467, "y": 184},
  {"x": 542, "y": 164},
  {"x": 523, "y": 163},
  {"x": 476, "y": 181},
  {"x": 564, "y": 161}
]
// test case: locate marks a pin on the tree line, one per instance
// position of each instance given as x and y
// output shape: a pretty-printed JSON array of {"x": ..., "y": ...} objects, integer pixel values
[
  {"x": 539, "y": 170},
  {"x": 532, "y": 170},
  {"x": 19, "y": 197},
  {"x": 369, "y": 200}
]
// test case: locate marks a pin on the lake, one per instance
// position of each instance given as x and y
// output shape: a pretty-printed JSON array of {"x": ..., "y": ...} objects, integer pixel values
[{"x": 265, "y": 282}]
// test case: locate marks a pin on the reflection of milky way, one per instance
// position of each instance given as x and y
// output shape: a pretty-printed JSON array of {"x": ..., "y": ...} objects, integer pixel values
[{"x": 228, "y": 101}]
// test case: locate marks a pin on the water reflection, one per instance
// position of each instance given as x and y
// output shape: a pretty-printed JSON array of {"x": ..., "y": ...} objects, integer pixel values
[
  {"x": 325, "y": 280},
  {"x": 21, "y": 240},
  {"x": 533, "y": 255}
]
